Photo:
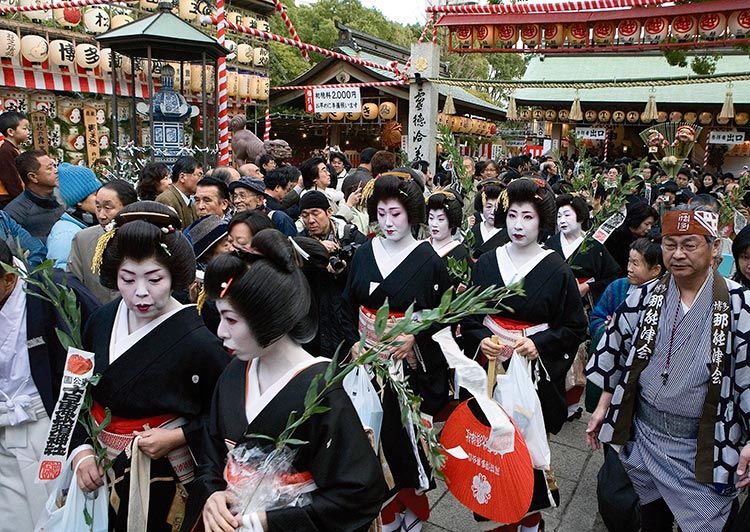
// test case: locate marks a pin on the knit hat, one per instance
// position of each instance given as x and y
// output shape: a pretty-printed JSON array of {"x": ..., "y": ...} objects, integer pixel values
[
  {"x": 249, "y": 183},
  {"x": 314, "y": 199},
  {"x": 76, "y": 183},
  {"x": 205, "y": 232}
]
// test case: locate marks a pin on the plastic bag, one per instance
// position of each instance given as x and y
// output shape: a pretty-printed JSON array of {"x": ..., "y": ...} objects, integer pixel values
[
  {"x": 359, "y": 388},
  {"x": 263, "y": 480},
  {"x": 65, "y": 506},
  {"x": 515, "y": 392}
]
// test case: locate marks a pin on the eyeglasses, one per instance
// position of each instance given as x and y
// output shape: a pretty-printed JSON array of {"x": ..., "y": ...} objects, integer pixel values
[{"x": 687, "y": 247}]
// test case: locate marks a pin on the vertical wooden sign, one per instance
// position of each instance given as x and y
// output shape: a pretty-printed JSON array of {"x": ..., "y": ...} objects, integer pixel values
[
  {"x": 91, "y": 134},
  {"x": 39, "y": 131}
]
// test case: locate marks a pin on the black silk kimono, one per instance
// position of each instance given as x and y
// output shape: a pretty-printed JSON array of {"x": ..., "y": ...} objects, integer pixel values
[
  {"x": 421, "y": 278},
  {"x": 171, "y": 370},
  {"x": 551, "y": 296},
  {"x": 343, "y": 464},
  {"x": 595, "y": 262},
  {"x": 458, "y": 253},
  {"x": 480, "y": 246}
]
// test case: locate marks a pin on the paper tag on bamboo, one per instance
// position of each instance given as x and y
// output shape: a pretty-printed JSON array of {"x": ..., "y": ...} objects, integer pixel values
[
  {"x": 610, "y": 224},
  {"x": 79, "y": 368},
  {"x": 91, "y": 134}
]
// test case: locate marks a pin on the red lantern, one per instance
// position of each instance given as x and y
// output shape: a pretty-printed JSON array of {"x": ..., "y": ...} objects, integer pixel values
[
  {"x": 464, "y": 36},
  {"x": 493, "y": 129},
  {"x": 484, "y": 36},
  {"x": 554, "y": 35},
  {"x": 530, "y": 35},
  {"x": 506, "y": 35},
  {"x": 684, "y": 27},
  {"x": 629, "y": 31},
  {"x": 604, "y": 33},
  {"x": 578, "y": 34},
  {"x": 655, "y": 29},
  {"x": 739, "y": 23},
  {"x": 712, "y": 25}
]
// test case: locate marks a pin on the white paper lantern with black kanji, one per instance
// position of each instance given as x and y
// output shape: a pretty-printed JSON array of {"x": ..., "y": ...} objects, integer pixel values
[
  {"x": 96, "y": 20},
  {"x": 263, "y": 25},
  {"x": 243, "y": 85},
  {"x": 119, "y": 21},
  {"x": 249, "y": 22},
  {"x": 34, "y": 48},
  {"x": 67, "y": 17},
  {"x": 230, "y": 45},
  {"x": 712, "y": 25},
  {"x": 235, "y": 18},
  {"x": 232, "y": 84},
  {"x": 264, "y": 88},
  {"x": 62, "y": 53},
  {"x": 149, "y": 5},
  {"x": 260, "y": 57},
  {"x": 245, "y": 54},
  {"x": 105, "y": 60},
  {"x": 87, "y": 56},
  {"x": 10, "y": 44},
  {"x": 187, "y": 10}
]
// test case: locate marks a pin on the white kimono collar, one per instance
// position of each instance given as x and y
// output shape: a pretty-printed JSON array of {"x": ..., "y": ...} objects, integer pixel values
[
  {"x": 122, "y": 340},
  {"x": 447, "y": 248},
  {"x": 508, "y": 270},
  {"x": 488, "y": 233},
  {"x": 568, "y": 248},
  {"x": 387, "y": 263}
]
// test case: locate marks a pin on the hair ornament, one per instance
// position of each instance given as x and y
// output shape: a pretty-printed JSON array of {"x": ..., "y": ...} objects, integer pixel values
[
  {"x": 448, "y": 195},
  {"x": 165, "y": 247},
  {"x": 225, "y": 287},
  {"x": 168, "y": 230},
  {"x": 504, "y": 201},
  {"x": 367, "y": 192},
  {"x": 541, "y": 183},
  {"x": 202, "y": 297},
  {"x": 101, "y": 245}
]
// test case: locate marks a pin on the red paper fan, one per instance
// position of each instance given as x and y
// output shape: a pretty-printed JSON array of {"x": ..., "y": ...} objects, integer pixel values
[{"x": 497, "y": 487}]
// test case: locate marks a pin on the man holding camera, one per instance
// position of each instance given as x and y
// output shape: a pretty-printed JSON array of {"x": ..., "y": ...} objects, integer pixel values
[{"x": 341, "y": 239}]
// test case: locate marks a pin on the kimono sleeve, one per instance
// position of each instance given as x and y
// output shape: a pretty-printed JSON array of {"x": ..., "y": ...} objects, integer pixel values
[
  {"x": 604, "y": 309},
  {"x": 607, "y": 271},
  {"x": 346, "y": 470},
  {"x": 473, "y": 330}
]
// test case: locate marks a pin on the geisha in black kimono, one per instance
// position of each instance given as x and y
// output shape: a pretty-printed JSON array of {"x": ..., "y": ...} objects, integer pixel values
[
  {"x": 265, "y": 307},
  {"x": 547, "y": 323},
  {"x": 402, "y": 270},
  {"x": 158, "y": 366},
  {"x": 488, "y": 235},
  {"x": 444, "y": 216}
]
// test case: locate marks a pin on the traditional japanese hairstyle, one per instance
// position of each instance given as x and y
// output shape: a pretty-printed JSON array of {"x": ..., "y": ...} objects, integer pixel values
[
  {"x": 535, "y": 191},
  {"x": 450, "y": 202},
  {"x": 267, "y": 288},
  {"x": 145, "y": 230},
  {"x": 401, "y": 184},
  {"x": 579, "y": 206}
]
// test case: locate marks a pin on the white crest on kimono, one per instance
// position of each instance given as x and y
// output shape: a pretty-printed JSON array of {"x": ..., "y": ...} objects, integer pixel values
[
  {"x": 195, "y": 379},
  {"x": 481, "y": 488}
]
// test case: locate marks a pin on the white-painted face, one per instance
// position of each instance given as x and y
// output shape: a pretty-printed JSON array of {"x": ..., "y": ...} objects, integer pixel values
[
  {"x": 145, "y": 287},
  {"x": 437, "y": 221},
  {"x": 523, "y": 223},
  {"x": 488, "y": 211},
  {"x": 393, "y": 220},
  {"x": 235, "y": 332},
  {"x": 567, "y": 220}
]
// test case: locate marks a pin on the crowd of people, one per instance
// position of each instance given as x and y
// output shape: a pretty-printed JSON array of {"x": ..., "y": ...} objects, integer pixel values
[{"x": 213, "y": 298}]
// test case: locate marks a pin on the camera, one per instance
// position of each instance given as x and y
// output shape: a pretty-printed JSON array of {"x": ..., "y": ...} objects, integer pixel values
[{"x": 342, "y": 257}]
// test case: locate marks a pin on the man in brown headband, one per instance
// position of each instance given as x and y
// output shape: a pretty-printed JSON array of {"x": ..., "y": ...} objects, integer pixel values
[{"x": 673, "y": 364}]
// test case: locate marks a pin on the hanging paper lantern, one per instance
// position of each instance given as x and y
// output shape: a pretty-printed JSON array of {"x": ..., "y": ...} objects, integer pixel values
[
  {"x": 554, "y": 35},
  {"x": 68, "y": 17},
  {"x": 254, "y": 85},
  {"x": 464, "y": 36},
  {"x": 34, "y": 48},
  {"x": 537, "y": 114},
  {"x": 87, "y": 56},
  {"x": 96, "y": 20},
  {"x": 604, "y": 33},
  {"x": 264, "y": 88},
  {"x": 337, "y": 117},
  {"x": 321, "y": 116},
  {"x": 264, "y": 25},
  {"x": 473, "y": 128},
  {"x": 387, "y": 111},
  {"x": 250, "y": 22},
  {"x": 196, "y": 78},
  {"x": 741, "y": 119},
  {"x": 353, "y": 117},
  {"x": 629, "y": 31},
  {"x": 187, "y": 10},
  {"x": 234, "y": 17},
  {"x": 62, "y": 53},
  {"x": 705, "y": 118},
  {"x": 261, "y": 57},
  {"x": 243, "y": 85},
  {"x": 618, "y": 117},
  {"x": 739, "y": 23},
  {"x": 464, "y": 125},
  {"x": 230, "y": 45},
  {"x": 455, "y": 124},
  {"x": 632, "y": 116},
  {"x": 723, "y": 121},
  {"x": 655, "y": 30},
  {"x": 712, "y": 25},
  {"x": 578, "y": 34},
  {"x": 691, "y": 117},
  {"x": 119, "y": 21},
  {"x": 563, "y": 115},
  {"x": 370, "y": 111},
  {"x": 442, "y": 119},
  {"x": 675, "y": 116},
  {"x": 484, "y": 35},
  {"x": 506, "y": 35},
  {"x": 550, "y": 115},
  {"x": 105, "y": 61},
  {"x": 604, "y": 115},
  {"x": 684, "y": 27},
  {"x": 10, "y": 44},
  {"x": 148, "y": 5},
  {"x": 245, "y": 54},
  {"x": 232, "y": 87},
  {"x": 590, "y": 115},
  {"x": 531, "y": 35},
  {"x": 37, "y": 17},
  {"x": 662, "y": 116}
]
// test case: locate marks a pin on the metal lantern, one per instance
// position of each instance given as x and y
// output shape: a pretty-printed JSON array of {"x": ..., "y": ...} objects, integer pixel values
[
  {"x": 712, "y": 25},
  {"x": 170, "y": 111}
]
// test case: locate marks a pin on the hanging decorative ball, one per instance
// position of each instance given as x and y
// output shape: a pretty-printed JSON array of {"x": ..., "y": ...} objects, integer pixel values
[
  {"x": 464, "y": 36},
  {"x": 390, "y": 135},
  {"x": 691, "y": 117},
  {"x": 618, "y": 117},
  {"x": 531, "y": 35},
  {"x": 590, "y": 115},
  {"x": 484, "y": 35},
  {"x": 655, "y": 30},
  {"x": 563, "y": 115},
  {"x": 604, "y": 33},
  {"x": 632, "y": 116},
  {"x": 245, "y": 54},
  {"x": 337, "y": 117},
  {"x": 67, "y": 17},
  {"x": 578, "y": 34},
  {"x": 741, "y": 119},
  {"x": 62, "y": 53},
  {"x": 506, "y": 35},
  {"x": 554, "y": 35},
  {"x": 87, "y": 56},
  {"x": 353, "y": 117},
  {"x": 37, "y": 17},
  {"x": 629, "y": 31},
  {"x": 705, "y": 118},
  {"x": 387, "y": 111},
  {"x": 684, "y": 27},
  {"x": 261, "y": 57},
  {"x": 739, "y": 23},
  {"x": 604, "y": 115},
  {"x": 10, "y": 44},
  {"x": 712, "y": 25},
  {"x": 96, "y": 20},
  {"x": 370, "y": 111},
  {"x": 34, "y": 48},
  {"x": 493, "y": 129},
  {"x": 119, "y": 21},
  {"x": 550, "y": 115}
]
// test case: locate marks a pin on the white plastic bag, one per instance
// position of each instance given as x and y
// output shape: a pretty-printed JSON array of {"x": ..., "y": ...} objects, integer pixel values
[
  {"x": 515, "y": 392},
  {"x": 365, "y": 399},
  {"x": 70, "y": 516}
]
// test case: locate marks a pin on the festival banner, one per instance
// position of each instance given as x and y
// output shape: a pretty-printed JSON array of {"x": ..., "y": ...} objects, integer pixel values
[
  {"x": 324, "y": 100},
  {"x": 610, "y": 224}
]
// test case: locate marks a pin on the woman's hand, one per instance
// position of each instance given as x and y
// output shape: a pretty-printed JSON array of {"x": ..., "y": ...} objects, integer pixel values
[
  {"x": 89, "y": 475},
  {"x": 216, "y": 514},
  {"x": 354, "y": 198},
  {"x": 583, "y": 289},
  {"x": 743, "y": 469},
  {"x": 526, "y": 348},
  {"x": 405, "y": 351},
  {"x": 157, "y": 442},
  {"x": 492, "y": 349}
]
